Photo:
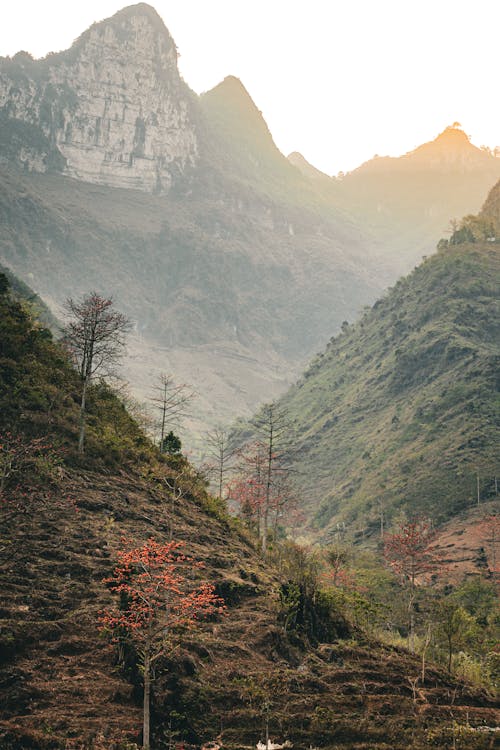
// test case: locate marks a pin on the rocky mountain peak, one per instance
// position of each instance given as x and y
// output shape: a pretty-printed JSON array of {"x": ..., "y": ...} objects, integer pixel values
[
  {"x": 231, "y": 95},
  {"x": 450, "y": 148},
  {"x": 136, "y": 25},
  {"x": 141, "y": 9},
  {"x": 113, "y": 107},
  {"x": 239, "y": 126},
  {"x": 453, "y": 134}
]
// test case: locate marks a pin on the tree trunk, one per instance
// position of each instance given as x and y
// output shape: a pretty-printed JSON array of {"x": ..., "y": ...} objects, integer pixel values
[
  {"x": 427, "y": 642},
  {"x": 221, "y": 476},
  {"x": 163, "y": 419},
  {"x": 81, "y": 437},
  {"x": 275, "y": 525},
  {"x": 147, "y": 701},
  {"x": 411, "y": 613},
  {"x": 268, "y": 489},
  {"x": 264, "y": 531}
]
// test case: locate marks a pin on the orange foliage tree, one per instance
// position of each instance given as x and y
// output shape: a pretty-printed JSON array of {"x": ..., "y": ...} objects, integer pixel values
[{"x": 159, "y": 601}]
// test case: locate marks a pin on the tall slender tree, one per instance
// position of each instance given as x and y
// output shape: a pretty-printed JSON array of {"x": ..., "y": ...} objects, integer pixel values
[
  {"x": 95, "y": 336},
  {"x": 275, "y": 432},
  {"x": 410, "y": 553},
  {"x": 171, "y": 401},
  {"x": 220, "y": 456}
]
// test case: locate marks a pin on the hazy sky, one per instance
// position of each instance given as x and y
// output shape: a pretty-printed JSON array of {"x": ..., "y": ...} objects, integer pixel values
[{"x": 337, "y": 80}]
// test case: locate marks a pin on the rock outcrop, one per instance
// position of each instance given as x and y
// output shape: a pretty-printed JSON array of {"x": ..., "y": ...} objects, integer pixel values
[{"x": 111, "y": 110}]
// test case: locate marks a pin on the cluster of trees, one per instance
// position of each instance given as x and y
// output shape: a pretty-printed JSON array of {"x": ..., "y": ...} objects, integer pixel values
[
  {"x": 95, "y": 338},
  {"x": 407, "y": 598},
  {"x": 255, "y": 479},
  {"x": 456, "y": 624},
  {"x": 470, "y": 229}
]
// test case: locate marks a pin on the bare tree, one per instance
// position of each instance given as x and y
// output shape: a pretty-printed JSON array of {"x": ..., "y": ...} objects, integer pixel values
[
  {"x": 275, "y": 433},
  {"x": 172, "y": 401},
  {"x": 220, "y": 454},
  {"x": 95, "y": 336}
]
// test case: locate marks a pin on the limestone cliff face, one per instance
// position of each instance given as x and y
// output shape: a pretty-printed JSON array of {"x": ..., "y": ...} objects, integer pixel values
[{"x": 110, "y": 110}]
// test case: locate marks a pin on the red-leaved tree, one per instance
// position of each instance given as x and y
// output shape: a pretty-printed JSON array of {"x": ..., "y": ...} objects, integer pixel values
[
  {"x": 159, "y": 601},
  {"x": 262, "y": 496},
  {"x": 409, "y": 553}
]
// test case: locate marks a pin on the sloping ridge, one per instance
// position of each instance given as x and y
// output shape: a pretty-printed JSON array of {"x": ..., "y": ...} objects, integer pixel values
[
  {"x": 407, "y": 202},
  {"x": 451, "y": 149},
  {"x": 400, "y": 412}
]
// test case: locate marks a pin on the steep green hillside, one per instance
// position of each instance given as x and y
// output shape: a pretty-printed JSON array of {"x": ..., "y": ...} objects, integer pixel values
[
  {"x": 36, "y": 303},
  {"x": 401, "y": 412},
  {"x": 40, "y": 393},
  {"x": 490, "y": 212}
]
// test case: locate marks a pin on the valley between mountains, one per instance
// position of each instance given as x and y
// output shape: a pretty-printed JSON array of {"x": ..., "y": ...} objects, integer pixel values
[{"x": 305, "y": 553}]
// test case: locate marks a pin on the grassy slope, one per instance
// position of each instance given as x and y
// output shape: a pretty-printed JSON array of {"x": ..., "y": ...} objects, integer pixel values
[
  {"x": 62, "y": 686},
  {"x": 40, "y": 393},
  {"x": 402, "y": 408},
  {"x": 24, "y": 292}
]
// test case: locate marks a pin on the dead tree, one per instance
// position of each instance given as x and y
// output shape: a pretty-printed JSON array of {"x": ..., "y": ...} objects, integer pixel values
[
  {"x": 171, "y": 400},
  {"x": 221, "y": 455},
  {"x": 95, "y": 336},
  {"x": 275, "y": 434}
]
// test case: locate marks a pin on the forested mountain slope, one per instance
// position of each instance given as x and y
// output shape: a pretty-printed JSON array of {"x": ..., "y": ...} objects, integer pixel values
[
  {"x": 24, "y": 292},
  {"x": 400, "y": 412}
]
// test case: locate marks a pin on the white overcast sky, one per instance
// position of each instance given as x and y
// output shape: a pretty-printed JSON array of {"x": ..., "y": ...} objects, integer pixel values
[{"x": 337, "y": 80}]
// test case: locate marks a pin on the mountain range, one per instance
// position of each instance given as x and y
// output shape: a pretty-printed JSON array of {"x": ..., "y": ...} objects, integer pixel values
[
  {"x": 408, "y": 202},
  {"x": 227, "y": 272},
  {"x": 234, "y": 264}
]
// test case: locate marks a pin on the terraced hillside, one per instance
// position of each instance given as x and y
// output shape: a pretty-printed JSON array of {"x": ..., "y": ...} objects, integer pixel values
[{"x": 64, "y": 686}]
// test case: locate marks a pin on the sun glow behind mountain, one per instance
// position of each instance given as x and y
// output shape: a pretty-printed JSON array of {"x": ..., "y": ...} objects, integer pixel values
[{"x": 338, "y": 81}]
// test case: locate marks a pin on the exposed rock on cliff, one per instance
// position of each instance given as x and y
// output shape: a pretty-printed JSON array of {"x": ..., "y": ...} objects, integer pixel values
[{"x": 110, "y": 110}]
